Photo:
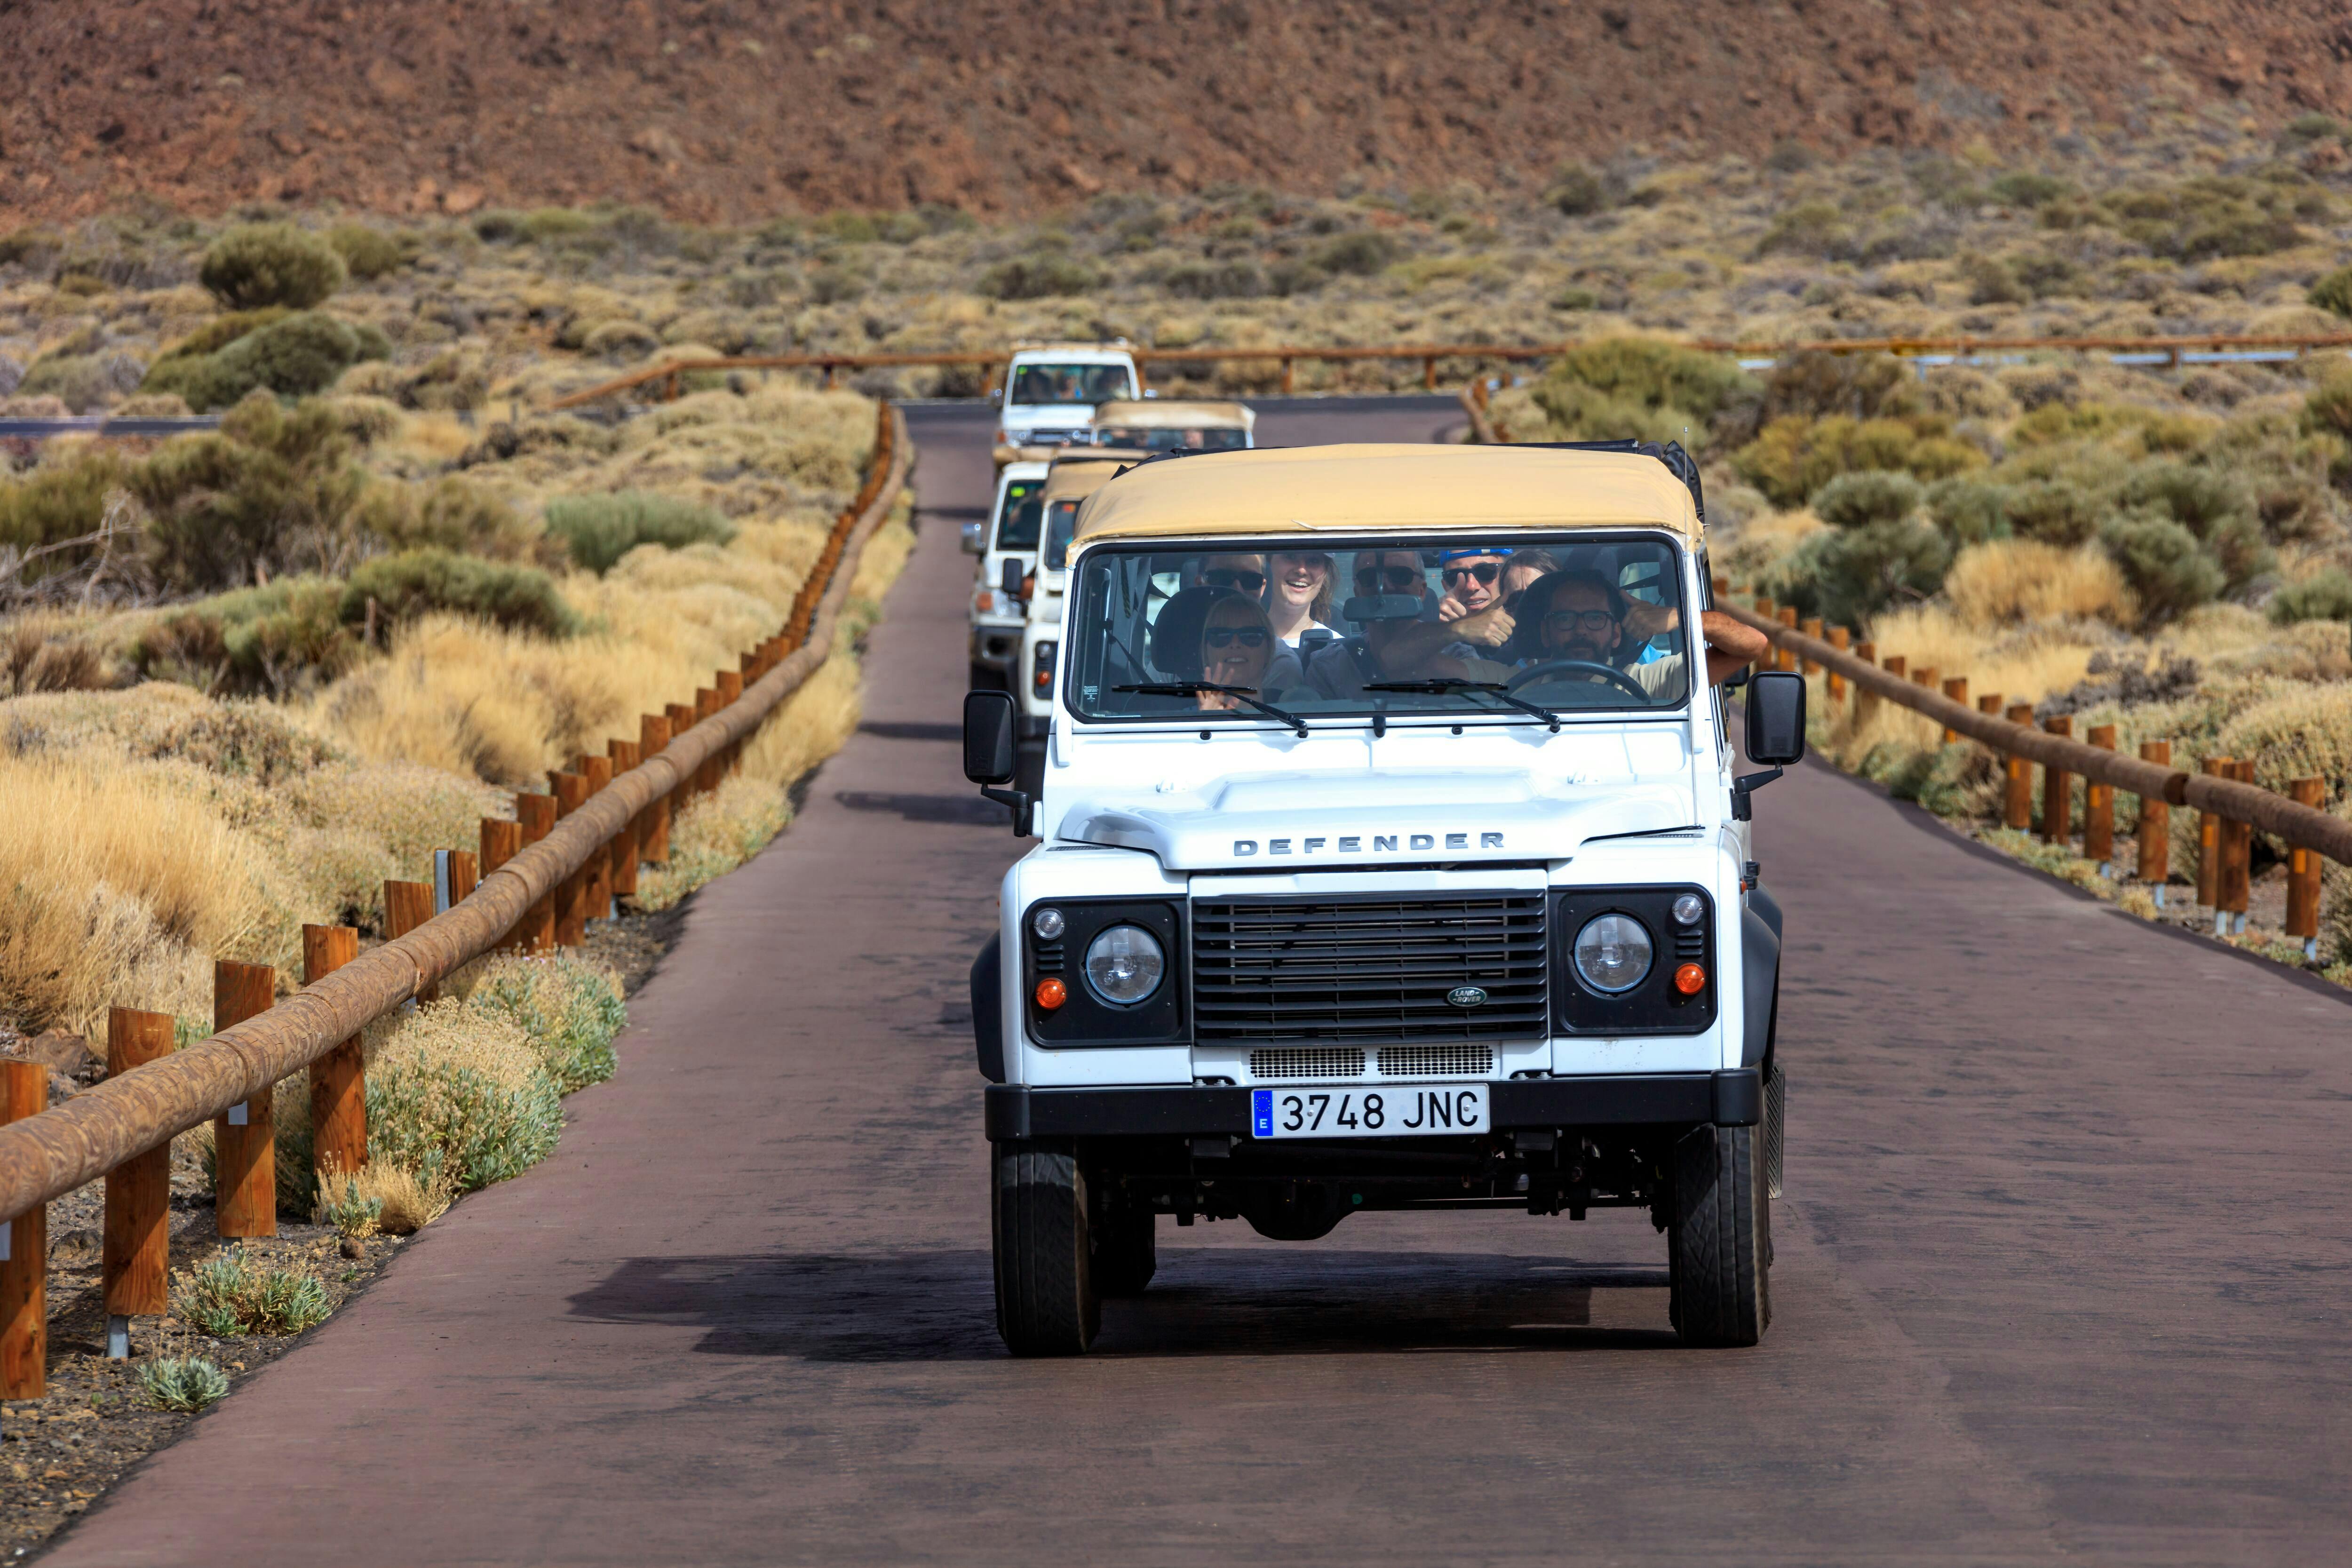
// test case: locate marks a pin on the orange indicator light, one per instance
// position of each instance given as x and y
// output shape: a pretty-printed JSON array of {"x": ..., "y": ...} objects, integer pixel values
[
  {"x": 1052, "y": 993},
  {"x": 1690, "y": 980}
]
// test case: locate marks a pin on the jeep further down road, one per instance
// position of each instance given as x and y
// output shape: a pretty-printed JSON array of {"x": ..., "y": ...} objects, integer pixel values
[{"x": 1393, "y": 856}]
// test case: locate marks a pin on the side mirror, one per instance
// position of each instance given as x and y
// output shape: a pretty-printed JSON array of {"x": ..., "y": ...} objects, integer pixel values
[
  {"x": 988, "y": 746},
  {"x": 1775, "y": 717},
  {"x": 975, "y": 538},
  {"x": 1010, "y": 579}
]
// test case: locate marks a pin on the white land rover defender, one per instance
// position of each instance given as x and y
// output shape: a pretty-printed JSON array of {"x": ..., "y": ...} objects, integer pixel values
[
  {"x": 1006, "y": 544},
  {"x": 1392, "y": 856},
  {"x": 1076, "y": 473},
  {"x": 1051, "y": 392}
]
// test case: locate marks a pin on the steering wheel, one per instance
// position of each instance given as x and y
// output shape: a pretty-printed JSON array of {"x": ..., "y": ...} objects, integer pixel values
[{"x": 1608, "y": 672}]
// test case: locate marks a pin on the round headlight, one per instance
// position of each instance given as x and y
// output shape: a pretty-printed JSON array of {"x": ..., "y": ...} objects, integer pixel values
[
  {"x": 1689, "y": 908},
  {"x": 1124, "y": 965},
  {"x": 1613, "y": 953},
  {"x": 1046, "y": 923}
]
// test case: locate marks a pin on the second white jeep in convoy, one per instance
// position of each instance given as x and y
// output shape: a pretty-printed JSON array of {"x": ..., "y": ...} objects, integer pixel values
[{"x": 1393, "y": 856}]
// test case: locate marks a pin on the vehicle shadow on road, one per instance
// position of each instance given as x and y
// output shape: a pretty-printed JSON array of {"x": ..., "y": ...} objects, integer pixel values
[{"x": 937, "y": 1306}]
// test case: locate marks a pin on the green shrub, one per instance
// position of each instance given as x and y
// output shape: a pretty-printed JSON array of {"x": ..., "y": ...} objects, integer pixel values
[
  {"x": 1361, "y": 254},
  {"x": 346, "y": 1209},
  {"x": 1794, "y": 456},
  {"x": 2334, "y": 291},
  {"x": 1819, "y": 384},
  {"x": 1873, "y": 496},
  {"x": 274, "y": 491},
  {"x": 2200, "y": 498},
  {"x": 2055, "y": 511},
  {"x": 457, "y": 1096},
  {"x": 1655, "y": 373},
  {"x": 228, "y": 1297},
  {"x": 83, "y": 382},
  {"x": 569, "y": 1010},
  {"x": 270, "y": 264},
  {"x": 2215, "y": 214},
  {"x": 63, "y": 498},
  {"x": 1849, "y": 574},
  {"x": 600, "y": 530},
  {"x": 1968, "y": 512},
  {"x": 1810, "y": 228},
  {"x": 1214, "y": 280},
  {"x": 2163, "y": 563},
  {"x": 2324, "y": 596},
  {"x": 293, "y": 358},
  {"x": 1037, "y": 276},
  {"x": 272, "y": 641},
  {"x": 454, "y": 514},
  {"x": 2025, "y": 188},
  {"x": 419, "y": 581},
  {"x": 367, "y": 253},
  {"x": 222, "y": 331},
  {"x": 1993, "y": 282},
  {"x": 1577, "y": 191},
  {"x": 182, "y": 1382}
]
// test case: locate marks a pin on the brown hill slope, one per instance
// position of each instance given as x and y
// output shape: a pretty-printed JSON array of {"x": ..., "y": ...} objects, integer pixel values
[{"x": 730, "y": 109}]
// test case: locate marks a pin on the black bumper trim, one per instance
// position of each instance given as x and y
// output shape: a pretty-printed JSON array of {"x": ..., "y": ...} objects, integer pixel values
[{"x": 1733, "y": 1098}]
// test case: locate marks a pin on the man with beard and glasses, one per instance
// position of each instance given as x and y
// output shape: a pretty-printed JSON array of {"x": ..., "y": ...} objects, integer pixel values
[{"x": 1582, "y": 616}]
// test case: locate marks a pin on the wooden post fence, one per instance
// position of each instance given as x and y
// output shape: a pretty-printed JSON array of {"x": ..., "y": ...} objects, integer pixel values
[
  {"x": 2237, "y": 858},
  {"x": 2057, "y": 788},
  {"x": 571, "y": 896},
  {"x": 25, "y": 1252},
  {"x": 2155, "y": 825},
  {"x": 244, "y": 1137},
  {"x": 2099, "y": 807},
  {"x": 2302, "y": 875},
  {"x": 2017, "y": 796},
  {"x": 2209, "y": 844},
  {"x": 1955, "y": 689},
  {"x": 338, "y": 1138},
  {"x": 598, "y": 772}
]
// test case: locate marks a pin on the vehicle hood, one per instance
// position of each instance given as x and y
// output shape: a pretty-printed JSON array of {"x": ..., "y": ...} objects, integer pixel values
[{"x": 1273, "y": 822}]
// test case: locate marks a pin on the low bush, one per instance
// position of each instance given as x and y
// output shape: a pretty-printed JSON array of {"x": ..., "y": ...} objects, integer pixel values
[
  {"x": 1850, "y": 574},
  {"x": 367, "y": 253},
  {"x": 2052, "y": 511},
  {"x": 1214, "y": 280},
  {"x": 349, "y": 1210},
  {"x": 568, "y": 1010},
  {"x": 2334, "y": 291},
  {"x": 228, "y": 1297},
  {"x": 459, "y": 1095},
  {"x": 1035, "y": 276},
  {"x": 1360, "y": 255},
  {"x": 2163, "y": 562},
  {"x": 598, "y": 530},
  {"x": 270, "y": 264},
  {"x": 454, "y": 514},
  {"x": 84, "y": 383},
  {"x": 294, "y": 357},
  {"x": 182, "y": 1382},
  {"x": 1576, "y": 190},
  {"x": 1968, "y": 512},
  {"x": 2009, "y": 582},
  {"x": 417, "y": 582},
  {"x": 1793, "y": 455},
  {"x": 1642, "y": 387},
  {"x": 274, "y": 491},
  {"x": 2324, "y": 596},
  {"x": 274, "y": 640},
  {"x": 1860, "y": 500},
  {"x": 63, "y": 498}
]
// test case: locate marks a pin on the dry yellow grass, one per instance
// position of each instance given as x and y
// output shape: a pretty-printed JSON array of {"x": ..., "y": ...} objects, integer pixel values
[
  {"x": 2006, "y": 581},
  {"x": 408, "y": 1204}
]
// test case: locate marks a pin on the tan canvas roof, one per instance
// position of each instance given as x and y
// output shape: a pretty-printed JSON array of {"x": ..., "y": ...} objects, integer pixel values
[
  {"x": 1170, "y": 414},
  {"x": 1311, "y": 490},
  {"x": 1079, "y": 473}
]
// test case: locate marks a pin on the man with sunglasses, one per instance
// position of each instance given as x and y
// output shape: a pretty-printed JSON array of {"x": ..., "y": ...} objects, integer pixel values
[
  {"x": 1244, "y": 574},
  {"x": 1582, "y": 616},
  {"x": 1393, "y": 649}
]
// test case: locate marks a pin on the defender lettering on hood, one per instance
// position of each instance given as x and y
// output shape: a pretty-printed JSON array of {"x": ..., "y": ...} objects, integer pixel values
[{"x": 1353, "y": 843}]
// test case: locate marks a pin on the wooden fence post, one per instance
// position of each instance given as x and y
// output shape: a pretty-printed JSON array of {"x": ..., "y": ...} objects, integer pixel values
[
  {"x": 1812, "y": 627},
  {"x": 1839, "y": 638},
  {"x": 407, "y": 906},
  {"x": 571, "y": 893},
  {"x": 2017, "y": 798},
  {"x": 1784, "y": 658},
  {"x": 2155, "y": 825},
  {"x": 682, "y": 718},
  {"x": 135, "y": 1249},
  {"x": 501, "y": 842},
  {"x": 622, "y": 853},
  {"x": 1866, "y": 700},
  {"x": 730, "y": 691},
  {"x": 245, "y": 1139},
  {"x": 535, "y": 818},
  {"x": 24, "y": 1250},
  {"x": 1955, "y": 687},
  {"x": 339, "y": 1143},
  {"x": 2237, "y": 857},
  {"x": 2057, "y": 789},
  {"x": 706, "y": 704},
  {"x": 2099, "y": 808},
  {"x": 653, "y": 839},
  {"x": 2303, "y": 876},
  {"x": 2208, "y": 846},
  {"x": 598, "y": 772}
]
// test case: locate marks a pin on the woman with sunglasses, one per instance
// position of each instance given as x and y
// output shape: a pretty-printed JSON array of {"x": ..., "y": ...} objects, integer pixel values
[
  {"x": 1221, "y": 636},
  {"x": 1300, "y": 600}
]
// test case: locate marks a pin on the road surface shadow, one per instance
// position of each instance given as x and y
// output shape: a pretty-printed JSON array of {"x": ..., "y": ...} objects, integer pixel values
[
  {"x": 951, "y": 808},
  {"x": 897, "y": 730},
  {"x": 937, "y": 1306}
]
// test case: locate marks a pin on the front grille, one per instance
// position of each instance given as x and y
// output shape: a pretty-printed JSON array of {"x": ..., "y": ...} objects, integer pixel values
[
  {"x": 1433, "y": 1061},
  {"x": 1310, "y": 1061},
  {"x": 1368, "y": 969}
]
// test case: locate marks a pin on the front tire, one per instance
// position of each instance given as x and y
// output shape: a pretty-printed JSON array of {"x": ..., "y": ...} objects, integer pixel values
[
  {"x": 1045, "y": 1299},
  {"x": 1721, "y": 1239}
]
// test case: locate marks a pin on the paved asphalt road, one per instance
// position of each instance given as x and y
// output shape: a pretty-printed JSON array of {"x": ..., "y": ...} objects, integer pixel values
[{"x": 2062, "y": 1269}]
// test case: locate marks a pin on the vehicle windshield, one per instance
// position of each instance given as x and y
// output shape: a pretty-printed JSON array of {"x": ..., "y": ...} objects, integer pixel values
[
  {"x": 1153, "y": 439},
  {"x": 1017, "y": 517},
  {"x": 1328, "y": 628},
  {"x": 1061, "y": 522},
  {"x": 1069, "y": 384}
]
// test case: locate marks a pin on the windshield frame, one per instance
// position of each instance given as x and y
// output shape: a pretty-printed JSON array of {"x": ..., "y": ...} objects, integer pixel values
[
  {"x": 1088, "y": 370},
  {"x": 1465, "y": 707}
]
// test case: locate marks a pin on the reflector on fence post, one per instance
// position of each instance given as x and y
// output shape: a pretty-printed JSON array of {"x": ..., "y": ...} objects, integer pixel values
[
  {"x": 339, "y": 1139},
  {"x": 2099, "y": 808},
  {"x": 2017, "y": 796},
  {"x": 2302, "y": 875},
  {"x": 2155, "y": 859},
  {"x": 23, "y": 1265},
  {"x": 244, "y": 1148},
  {"x": 135, "y": 1247}
]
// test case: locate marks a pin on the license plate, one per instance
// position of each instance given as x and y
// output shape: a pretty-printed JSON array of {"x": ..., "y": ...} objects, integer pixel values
[{"x": 1394, "y": 1111}]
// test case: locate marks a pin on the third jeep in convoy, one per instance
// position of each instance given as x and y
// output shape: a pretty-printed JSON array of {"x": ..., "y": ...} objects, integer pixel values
[{"x": 1393, "y": 855}]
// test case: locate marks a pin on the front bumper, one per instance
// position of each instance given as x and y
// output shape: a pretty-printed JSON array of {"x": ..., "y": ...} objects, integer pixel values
[{"x": 1732, "y": 1097}]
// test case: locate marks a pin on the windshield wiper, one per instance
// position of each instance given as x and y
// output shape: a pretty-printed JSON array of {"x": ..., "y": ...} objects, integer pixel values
[
  {"x": 1195, "y": 688},
  {"x": 1436, "y": 685}
]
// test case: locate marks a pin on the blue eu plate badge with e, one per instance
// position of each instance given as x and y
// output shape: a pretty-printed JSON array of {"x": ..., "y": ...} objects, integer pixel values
[{"x": 1260, "y": 1113}]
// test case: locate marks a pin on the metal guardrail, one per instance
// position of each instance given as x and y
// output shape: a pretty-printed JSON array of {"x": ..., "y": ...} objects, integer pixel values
[
  {"x": 2171, "y": 349},
  {"x": 50, "y": 1152},
  {"x": 103, "y": 425}
]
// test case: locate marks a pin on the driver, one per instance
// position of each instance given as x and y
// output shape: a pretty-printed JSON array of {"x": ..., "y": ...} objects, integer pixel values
[
  {"x": 1584, "y": 617},
  {"x": 1401, "y": 649}
]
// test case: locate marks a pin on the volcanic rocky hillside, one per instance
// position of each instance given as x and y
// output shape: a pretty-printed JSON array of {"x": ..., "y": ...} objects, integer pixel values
[{"x": 733, "y": 110}]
